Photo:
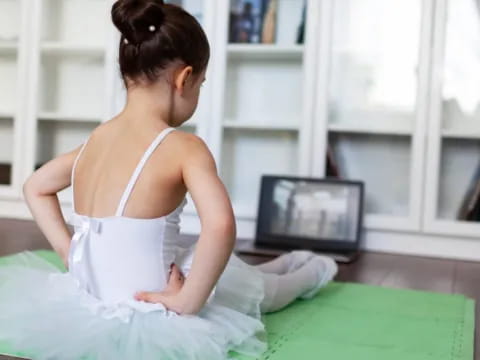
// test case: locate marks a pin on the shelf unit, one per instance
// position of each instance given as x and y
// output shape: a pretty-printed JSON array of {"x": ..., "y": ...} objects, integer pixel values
[
  {"x": 13, "y": 63},
  {"x": 68, "y": 54},
  {"x": 454, "y": 149},
  {"x": 388, "y": 103},
  {"x": 260, "y": 108}
]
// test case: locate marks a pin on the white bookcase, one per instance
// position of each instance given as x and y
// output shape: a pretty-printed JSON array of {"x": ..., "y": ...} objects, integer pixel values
[
  {"x": 454, "y": 149},
  {"x": 398, "y": 108},
  {"x": 13, "y": 62}
]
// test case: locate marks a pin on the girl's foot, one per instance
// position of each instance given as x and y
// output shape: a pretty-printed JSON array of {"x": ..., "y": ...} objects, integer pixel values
[
  {"x": 294, "y": 260},
  {"x": 325, "y": 269}
]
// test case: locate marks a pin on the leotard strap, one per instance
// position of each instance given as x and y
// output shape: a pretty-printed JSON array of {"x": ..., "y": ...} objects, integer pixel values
[{"x": 139, "y": 168}]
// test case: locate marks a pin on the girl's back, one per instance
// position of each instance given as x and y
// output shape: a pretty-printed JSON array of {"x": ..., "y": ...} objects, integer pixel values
[{"x": 110, "y": 158}]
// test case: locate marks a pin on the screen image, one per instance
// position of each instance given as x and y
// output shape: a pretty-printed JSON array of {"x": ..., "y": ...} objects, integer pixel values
[{"x": 315, "y": 210}]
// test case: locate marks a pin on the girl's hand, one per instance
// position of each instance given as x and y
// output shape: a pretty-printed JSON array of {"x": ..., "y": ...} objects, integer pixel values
[
  {"x": 64, "y": 256},
  {"x": 170, "y": 296}
]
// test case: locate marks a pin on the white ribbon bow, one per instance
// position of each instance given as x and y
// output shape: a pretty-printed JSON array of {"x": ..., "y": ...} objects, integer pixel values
[{"x": 83, "y": 225}]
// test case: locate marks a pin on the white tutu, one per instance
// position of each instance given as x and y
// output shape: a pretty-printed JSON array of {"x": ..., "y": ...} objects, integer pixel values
[{"x": 44, "y": 314}]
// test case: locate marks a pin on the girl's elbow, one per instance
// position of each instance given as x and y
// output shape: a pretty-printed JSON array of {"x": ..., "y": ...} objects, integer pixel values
[
  {"x": 223, "y": 228},
  {"x": 227, "y": 228},
  {"x": 29, "y": 187}
]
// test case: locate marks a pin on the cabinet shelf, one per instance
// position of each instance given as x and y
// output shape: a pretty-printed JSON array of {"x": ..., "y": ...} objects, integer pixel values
[
  {"x": 8, "y": 47},
  {"x": 467, "y": 133},
  {"x": 265, "y": 51},
  {"x": 54, "y": 116},
  {"x": 231, "y": 124},
  {"x": 63, "y": 48},
  {"x": 376, "y": 129},
  {"x": 6, "y": 114}
]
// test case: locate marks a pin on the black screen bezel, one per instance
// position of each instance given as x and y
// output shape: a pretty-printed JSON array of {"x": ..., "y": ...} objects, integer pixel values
[{"x": 265, "y": 239}]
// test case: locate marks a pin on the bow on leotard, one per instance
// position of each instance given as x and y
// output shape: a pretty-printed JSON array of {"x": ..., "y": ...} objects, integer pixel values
[{"x": 83, "y": 226}]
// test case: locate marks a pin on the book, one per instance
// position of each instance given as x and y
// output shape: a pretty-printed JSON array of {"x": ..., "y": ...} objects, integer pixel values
[
  {"x": 332, "y": 167},
  {"x": 301, "y": 27},
  {"x": 246, "y": 21},
  {"x": 470, "y": 208},
  {"x": 289, "y": 16},
  {"x": 269, "y": 23}
]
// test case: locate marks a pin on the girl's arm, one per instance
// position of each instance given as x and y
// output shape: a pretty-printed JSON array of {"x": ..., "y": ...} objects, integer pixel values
[
  {"x": 40, "y": 191},
  {"x": 218, "y": 232},
  {"x": 217, "y": 237}
]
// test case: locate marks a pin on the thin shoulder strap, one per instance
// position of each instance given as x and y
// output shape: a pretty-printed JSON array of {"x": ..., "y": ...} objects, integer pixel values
[
  {"x": 72, "y": 176},
  {"x": 139, "y": 168}
]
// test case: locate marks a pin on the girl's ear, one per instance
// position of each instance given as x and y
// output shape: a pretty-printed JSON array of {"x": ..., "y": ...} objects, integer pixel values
[{"x": 181, "y": 78}]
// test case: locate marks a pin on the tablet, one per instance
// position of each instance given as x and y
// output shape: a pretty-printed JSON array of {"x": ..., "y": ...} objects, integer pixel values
[{"x": 310, "y": 213}]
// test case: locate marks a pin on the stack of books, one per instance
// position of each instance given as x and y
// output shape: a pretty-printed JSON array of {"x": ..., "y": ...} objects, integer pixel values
[{"x": 267, "y": 21}]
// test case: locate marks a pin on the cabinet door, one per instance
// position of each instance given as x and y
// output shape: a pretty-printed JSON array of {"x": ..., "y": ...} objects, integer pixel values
[
  {"x": 260, "y": 97},
  {"x": 453, "y": 185},
  {"x": 375, "y": 102},
  {"x": 12, "y": 61},
  {"x": 71, "y": 92}
]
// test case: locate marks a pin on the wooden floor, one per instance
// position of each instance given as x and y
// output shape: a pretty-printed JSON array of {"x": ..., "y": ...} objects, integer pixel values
[{"x": 445, "y": 276}]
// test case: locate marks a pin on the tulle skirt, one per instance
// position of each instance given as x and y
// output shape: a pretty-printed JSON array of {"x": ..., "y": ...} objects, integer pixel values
[{"x": 44, "y": 314}]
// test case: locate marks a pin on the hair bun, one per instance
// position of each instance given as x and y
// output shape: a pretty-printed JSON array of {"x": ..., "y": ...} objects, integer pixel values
[{"x": 138, "y": 20}]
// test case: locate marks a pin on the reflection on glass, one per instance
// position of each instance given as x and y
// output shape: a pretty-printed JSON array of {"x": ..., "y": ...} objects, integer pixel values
[
  {"x": 461, "y": 80},
  {"x": 320, "y": 211},
  {"x": 375, "y": 47}
]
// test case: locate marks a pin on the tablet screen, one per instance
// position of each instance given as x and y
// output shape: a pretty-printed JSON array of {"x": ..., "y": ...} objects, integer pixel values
[{"x": 310, "y": 209}]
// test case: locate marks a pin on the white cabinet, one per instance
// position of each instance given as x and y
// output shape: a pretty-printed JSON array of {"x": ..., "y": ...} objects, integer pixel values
[
  {"x": 13, "y": 65},
  {"x": 375, "y": 111},
  {"x": 261, "y": 109},
  {"x": 454, "y": 147}
]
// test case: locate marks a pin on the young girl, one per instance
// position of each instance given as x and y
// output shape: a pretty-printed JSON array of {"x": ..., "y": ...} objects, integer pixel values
[{"x": 131, "y": 290}]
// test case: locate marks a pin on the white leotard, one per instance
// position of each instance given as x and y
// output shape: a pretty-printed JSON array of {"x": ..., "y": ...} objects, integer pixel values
[{"x": 114, "y": 257}]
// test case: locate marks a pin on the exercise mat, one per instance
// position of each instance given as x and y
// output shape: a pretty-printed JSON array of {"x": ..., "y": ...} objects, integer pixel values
[{"x": 361, "y": 322}]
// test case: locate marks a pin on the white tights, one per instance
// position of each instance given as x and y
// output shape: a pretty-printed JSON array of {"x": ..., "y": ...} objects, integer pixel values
[{"x": 288, "y": 277}]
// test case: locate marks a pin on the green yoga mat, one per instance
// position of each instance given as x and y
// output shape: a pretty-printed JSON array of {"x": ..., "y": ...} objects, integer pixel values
[{"x": 360, "y": 322}]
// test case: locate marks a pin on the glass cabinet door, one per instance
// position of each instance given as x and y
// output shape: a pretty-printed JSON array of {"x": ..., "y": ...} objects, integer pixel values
[
  {"x": 373, "y": 102},
  {"x": 10, "y": 33},
  {"x": 262, "y": 97},
  {"x": 456, "y": 203}
]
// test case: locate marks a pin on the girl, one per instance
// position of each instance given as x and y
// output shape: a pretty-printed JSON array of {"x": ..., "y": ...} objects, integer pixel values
[{"x": 125, "y": 295}]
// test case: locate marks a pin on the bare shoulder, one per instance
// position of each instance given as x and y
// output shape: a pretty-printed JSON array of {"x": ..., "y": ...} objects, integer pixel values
[
  {"x": 186, "y": 139},
  {"x": 191, "y": 148}
]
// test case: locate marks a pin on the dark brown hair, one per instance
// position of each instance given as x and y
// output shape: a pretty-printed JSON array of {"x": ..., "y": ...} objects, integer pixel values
[{"x": 155, "y": 34}]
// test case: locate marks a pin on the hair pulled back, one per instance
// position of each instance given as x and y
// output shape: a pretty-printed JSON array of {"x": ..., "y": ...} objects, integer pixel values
[{"x": 153, "y": 35}]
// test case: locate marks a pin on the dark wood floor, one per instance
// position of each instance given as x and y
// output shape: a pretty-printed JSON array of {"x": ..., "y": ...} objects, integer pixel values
[{"x": 438, "y": 275}]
